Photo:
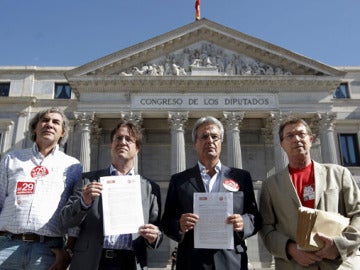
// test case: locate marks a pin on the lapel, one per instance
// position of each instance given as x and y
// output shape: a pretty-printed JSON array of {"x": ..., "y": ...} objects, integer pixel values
[
  {"x": 196, "y": 180},
  {"x": 284, "y": 180},
  {"x": 320, "y": 182},
  {"x": 224, "y": 175}
]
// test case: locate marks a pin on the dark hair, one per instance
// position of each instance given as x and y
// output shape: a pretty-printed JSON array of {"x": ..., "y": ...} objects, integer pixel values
[
  {"x": 36, "y": 119},
  {"x": 134, "y": 130},
  {"x": 207, "y": 119},
  {"x": 290, "y": 121}
]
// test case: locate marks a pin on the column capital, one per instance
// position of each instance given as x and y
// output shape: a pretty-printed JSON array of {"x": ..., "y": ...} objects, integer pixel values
[
  {"x": 84, "y": 119},
  {"x": 177, "y": 120},
  {"x": 324, "y": 120},
  {"x": 233, "y": 119},
  {"x": 132, "y": 116}
]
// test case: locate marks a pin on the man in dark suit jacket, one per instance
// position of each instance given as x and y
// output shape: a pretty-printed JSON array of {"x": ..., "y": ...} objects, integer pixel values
[
  {"x": 209, "y": 175},
  {"x": 84, "y": 209}
]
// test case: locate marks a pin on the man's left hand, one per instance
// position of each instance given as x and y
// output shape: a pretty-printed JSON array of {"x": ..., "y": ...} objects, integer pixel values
[
  {"x": 62, "y": 259},
  {"x": 237, "y": 221},
  {"x": 329, "y": 250},
  {"x": 150, "y": 232}
]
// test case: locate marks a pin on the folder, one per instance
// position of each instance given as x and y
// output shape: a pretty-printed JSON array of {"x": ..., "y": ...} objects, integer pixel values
[{"x": 312, "y": 221}]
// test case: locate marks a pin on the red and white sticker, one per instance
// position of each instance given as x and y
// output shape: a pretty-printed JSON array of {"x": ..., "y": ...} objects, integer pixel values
[
  {"x": 231, "y": 185},
  {"x": 25, "y": 188},
  {"x": 39, "y": 171}
]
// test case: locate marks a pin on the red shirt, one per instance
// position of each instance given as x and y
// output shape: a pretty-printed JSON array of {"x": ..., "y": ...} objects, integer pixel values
[{"x": 304, "y": 183}]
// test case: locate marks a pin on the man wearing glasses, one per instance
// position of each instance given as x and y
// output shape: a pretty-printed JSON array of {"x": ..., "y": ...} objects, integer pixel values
[
  {"x": 210, "y": 175},
  {"x": 93, "y": 250},
  {"x": 305, "y": 182}
]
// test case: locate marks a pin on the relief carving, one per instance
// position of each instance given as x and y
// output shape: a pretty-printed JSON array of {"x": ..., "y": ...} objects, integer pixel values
[{"x": 204, "y": 59}]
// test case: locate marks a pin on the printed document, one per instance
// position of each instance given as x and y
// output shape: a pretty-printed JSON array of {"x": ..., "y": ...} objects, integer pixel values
[
  {"x": 122, "y": 208},
  {"x": 211, "y": 231}
]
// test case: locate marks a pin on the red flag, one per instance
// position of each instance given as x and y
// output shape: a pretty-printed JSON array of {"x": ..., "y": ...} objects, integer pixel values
[{"x": 197, "y": 10}]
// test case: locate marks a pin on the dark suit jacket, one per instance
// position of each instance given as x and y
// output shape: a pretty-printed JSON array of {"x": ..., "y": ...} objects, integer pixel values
[
  {"x": 88, "y": 247},
  {"x": 179, "y": 200}
]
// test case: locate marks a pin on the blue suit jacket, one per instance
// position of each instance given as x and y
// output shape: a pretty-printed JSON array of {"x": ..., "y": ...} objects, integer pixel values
[
  {"x": 88, "y": 247},
  {"x": 180, "y": 200}
]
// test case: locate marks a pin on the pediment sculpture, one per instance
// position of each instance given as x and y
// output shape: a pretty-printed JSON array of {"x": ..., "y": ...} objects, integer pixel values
[{"x": 204, "y": 59}]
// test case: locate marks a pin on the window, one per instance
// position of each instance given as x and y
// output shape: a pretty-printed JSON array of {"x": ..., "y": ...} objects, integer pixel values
[
  {"x": 342, "y": 91},
  {"x": 62, "y": 91},
  {"x": 4, "y": 89},
  {"x": 349, "y": 148}
]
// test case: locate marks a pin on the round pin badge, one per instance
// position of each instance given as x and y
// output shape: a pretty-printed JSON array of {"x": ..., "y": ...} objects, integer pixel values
[
  {"x": 39, "y": 171},
  {"x": 231, "y": 185}
]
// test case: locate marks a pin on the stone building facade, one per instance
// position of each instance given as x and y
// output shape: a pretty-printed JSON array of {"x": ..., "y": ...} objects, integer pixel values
[{"x": 169, "y": 81}]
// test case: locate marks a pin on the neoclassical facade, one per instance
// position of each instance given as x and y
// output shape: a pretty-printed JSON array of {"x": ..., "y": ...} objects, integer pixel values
[{"x": 169, "y": 81}]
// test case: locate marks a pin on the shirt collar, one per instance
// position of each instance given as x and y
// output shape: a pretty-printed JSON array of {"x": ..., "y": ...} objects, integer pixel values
[
  {"x": 203, "y": 169},
  {"x": 36, "y": 151},
  {"x": 114, "y": 171}
]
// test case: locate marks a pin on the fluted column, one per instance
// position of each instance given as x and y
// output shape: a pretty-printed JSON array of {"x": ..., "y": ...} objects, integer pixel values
[
  {"x": 281, "y": 160},
  {"x": 95, "y": 144},
  {"x": 267, "y": 134},
  {"x": 232, "y": 121},
  {"x": 21, "y": 134},
  {"x": 70, "y": 140},
  {"x": 84, "y": 120},
  {"x": 327, "y": 138},
  {"x": 135, "y": 117},
  {"x": 177, "y": 121}
]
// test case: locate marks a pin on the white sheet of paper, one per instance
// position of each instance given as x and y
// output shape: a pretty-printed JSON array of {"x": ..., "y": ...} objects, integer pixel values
[
  {"x": 211, "y": 231},
  {"x": 122, "y": 208}
]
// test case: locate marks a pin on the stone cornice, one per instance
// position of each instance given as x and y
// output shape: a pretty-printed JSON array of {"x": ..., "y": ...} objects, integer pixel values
[{"x": 203, "y": 83}]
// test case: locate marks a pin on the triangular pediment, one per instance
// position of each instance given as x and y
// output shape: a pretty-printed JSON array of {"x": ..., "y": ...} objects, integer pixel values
[{"x": 203, "y": 48}]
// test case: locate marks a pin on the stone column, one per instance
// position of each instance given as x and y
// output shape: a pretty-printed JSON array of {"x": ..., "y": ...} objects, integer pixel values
[
  {"x": 95, "y": 144},
  {"x": 267, "y": 134},
  {"x": 22, "y": 134},
  {"x": 70, "y": 141},
  {"x": 327, "y": 138},
  {"x": 281, "y": 160},
  {"x": 232, "y": 121},
  {"x": 84, "y": 121},
  {"x": 177, "y": 121}
]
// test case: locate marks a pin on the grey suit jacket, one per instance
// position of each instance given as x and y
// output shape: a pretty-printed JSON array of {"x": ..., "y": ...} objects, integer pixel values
[
  {"x": 335, "y": 191},
  {"x": 88, "y": 247},
  {"x": 179, "y": 200}
]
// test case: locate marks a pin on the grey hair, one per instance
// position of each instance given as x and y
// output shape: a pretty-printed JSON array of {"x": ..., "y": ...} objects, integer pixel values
[
  {"x": 35, "y": 120},
  {"x": 210, "y": 120}
]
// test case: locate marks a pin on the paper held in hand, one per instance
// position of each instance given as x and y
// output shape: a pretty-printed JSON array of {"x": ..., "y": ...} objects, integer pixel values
[
  {"x": 312, "y": 221},
  {"x": 121, "y": 202}
]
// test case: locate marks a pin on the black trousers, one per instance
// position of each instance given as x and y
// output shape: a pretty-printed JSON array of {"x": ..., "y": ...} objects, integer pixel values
[{"x": 114, "y": 259}]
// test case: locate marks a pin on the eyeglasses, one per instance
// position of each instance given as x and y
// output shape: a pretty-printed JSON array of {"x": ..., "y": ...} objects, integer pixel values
[
  {"x": 214, "y": 137},
  {"x": 291, "y": 136},
  {"x": 128, "y": 139}
]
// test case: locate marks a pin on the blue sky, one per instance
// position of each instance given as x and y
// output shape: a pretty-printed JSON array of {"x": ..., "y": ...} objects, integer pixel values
[{"x": 74, "y": 32}]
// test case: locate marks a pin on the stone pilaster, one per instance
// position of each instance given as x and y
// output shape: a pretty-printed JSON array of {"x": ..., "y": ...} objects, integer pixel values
[
  {"x": 232, "y": 122},
  {"x": 177, "y": 121}
]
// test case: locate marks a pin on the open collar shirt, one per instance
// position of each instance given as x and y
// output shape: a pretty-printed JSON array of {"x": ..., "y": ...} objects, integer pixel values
[
  {"x": 211, "y": 184},
  {"x": 34, "y": 188}
]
